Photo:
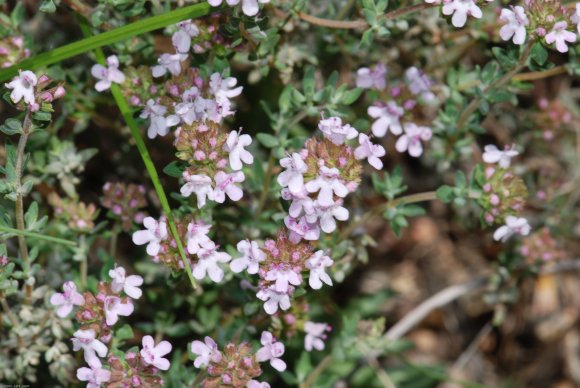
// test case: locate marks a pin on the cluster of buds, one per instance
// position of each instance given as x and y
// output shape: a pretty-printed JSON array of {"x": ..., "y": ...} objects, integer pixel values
[
  {"x": 33, "y": 93},
  {"x": 279, "y": 265},
  {"x": 12, "y": 51},
  {"x": 237, "y": 365},
  {"x": 540, "y": 247},
  {"x": 405, "y": 97},
  {"x": 79, "y": 216},
  {"x": 97, "y": 316},
  {"x": 124, "y": 202},
  {"x": 318, "y": 178},
  {"x": 553, "y": 115},
  {"x": 460, "y": 9},
  {"x": 202, "y": 253},
  {"x": 504, "y": 194},
  {"x": 548, "y": 20}
]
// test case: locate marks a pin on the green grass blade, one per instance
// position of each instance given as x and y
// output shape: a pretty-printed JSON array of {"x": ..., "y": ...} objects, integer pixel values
[
  {"x": 91, "y": 43},
  {"x": 39, "y": 236},
  {"x": 128, "y": 116}
]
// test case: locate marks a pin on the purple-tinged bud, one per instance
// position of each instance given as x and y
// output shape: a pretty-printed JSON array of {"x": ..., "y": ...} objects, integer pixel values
[
  {"x": 107, "y": 337},
  {"x": 213, "y": 141},
  {"x": 342, "y": 161},
  {"x": 4, "y": 51},
  {"x": 136, "y": 381},
  {"x": 541, "y": 31},
  {"x": 129, "y": 356},
  {"x": 351, "y": 186},
  {"x": 43, "y": 79},
  {"x": 199, "y": 155},
  {"x": 395, "y": 91},
  {"x": 494, "y": 199},
  {"x": 487, "y": 187},
  {"x": 87, "y": 315},
  {"x": 59, "y": 92},
  {"x": 213, "y": 155},
  {"x": 117, "y": 209},
  {"x": 409, "y": 104},
  {"x": 46, "y": 97},
  {"x": 153, "y": 89},
  {"x": 135, "y": 100},
  {"x": 227, "y": 379},
  {"x": 489, "y": 218},
  {"x": 222, "y": 163},
  {"x": 489, "y": 171},
  {"x": 101, "y": 297},
  {"x": 198, "y": 82},
  {"x": 202, "y": 127},
  {"x": 290, "y": 319},
  {"x": 18, "y": 41}
]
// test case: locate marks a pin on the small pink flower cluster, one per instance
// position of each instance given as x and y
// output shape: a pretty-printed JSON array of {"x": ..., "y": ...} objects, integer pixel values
[
  {"x": 237, "y": 365},
  {"x": 12, "y": 51},
  {"x": 460, "y": 9},
  {"x": 97, "y": 316},
  {"x": 550, "y": 21},
  {"x": 125, "y": 201},
  {"x": 389, "y": 116},
  {"x": 30, "y": 91}
]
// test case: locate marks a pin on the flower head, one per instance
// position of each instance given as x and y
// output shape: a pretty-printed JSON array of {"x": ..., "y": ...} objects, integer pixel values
[
  {"x": 209, "y": 259},
  {"x": 130, "y": 284},
  {"x": 23, "y": 87},
  {"x": 317, "y": 264},
  {"x": 86, "y": 340},
  {"x": 560, "y": 36},
  {"x": 235, "y": 145},
  {"x": 411, "y": 139},
  {"x": 225, "y": 185},
  {"x": 107, "y": 74},
  {"x": 271, "y": 350},
  {"x": 251, "y": 257},
  {"x": 156, "y": 233},
  {"x": 273, "y": 300},
  {"x": 197, "y": 237},
  {"x": 315, "y": 335},
  {"x": 200, "y": 185},
  {"x": 153, "y": 355},
  {"x": 460, "y": 9},
  {"x": 514, "y": 225},
  {"x": 371, "y": 152},
  {"x": 249, "y": 7},
  {"x": 372, "y": 78},
  {"x": 327, "y": 183},
  {"x": 492, "y": 154},
  {"x": 114, "y": 307},
  {"x": 206, "y": 351},
  {"x": 95, "y": 376},
  {"x": 182, "y": 38},
  {"x": 334, "y": 131},
  {"x": 159, "y": 123},
  {"x": 293, "y": 176},
  {"x": 67, "y": 299},
  {"x": 516, "y": 21},
  {"x": 387, "y": 118}
]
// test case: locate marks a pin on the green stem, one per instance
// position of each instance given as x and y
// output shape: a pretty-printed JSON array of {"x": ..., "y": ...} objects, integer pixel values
[
  {"x": 83, "y": 269},
  {"x": 106, "y": 38},
  {"x": 140, "y": 143},
  {"x": 38, "y": 236}
]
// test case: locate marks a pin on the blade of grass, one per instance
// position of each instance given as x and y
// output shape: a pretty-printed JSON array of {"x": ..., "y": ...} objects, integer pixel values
[
  {"x": 39, "y": 236},
  {"x": 128, "y": 116},
  {"x": 93, "y": 42}
]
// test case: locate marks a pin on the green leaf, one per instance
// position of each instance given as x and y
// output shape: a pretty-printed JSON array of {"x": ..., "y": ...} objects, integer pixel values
[
  {"x": 106, "y": 38},
  {"x": 125, "y": 332},
  {"x": 47, "y": 6},
  {"x": 539, "y": 53},
  {"x": 445, "y": 193},
  {"x": 173, "y": 169},
  {"x": 267, "y": 140},
  {"x": 351, "y": 96}
]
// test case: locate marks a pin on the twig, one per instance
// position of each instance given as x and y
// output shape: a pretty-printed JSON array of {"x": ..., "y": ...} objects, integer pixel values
[
  {"x": 536, "y": 75},
  {"x": 452, "y": 293},
  {"x": 26, "y": 233},
  {"x": 312, "y": 376},
  {"x": 471, "y": 349}
]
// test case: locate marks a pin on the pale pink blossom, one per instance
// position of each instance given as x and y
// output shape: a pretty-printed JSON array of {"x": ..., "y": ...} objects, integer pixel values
[
  {"x": 23, "y": 87},
  {"x": 224, "y": 87},
  {"x": 411, "y": 140},
  {"x": 576, "y": 17},
  {"x": 328, "y": 215},
  {"x": 249, "y": 7},
  {"x": 114, "y": 307},
  {"x": 516, "y": 21},
  {"x": 159, "y": 124},
  {"x": 130, "y": 284},
  {"x": 371, "y": 152},
  {"x": 235, "y": 145},
  {"x": 271, "y": 350},
  {"x": 273, "y": 300},
  {"x": 327, "y": 183},
  {"x": 419, "y": 84},
  {"x": 152, "y": 354},
  {"x": 560, "y": 36},
  {"x": 387, "y": 118},
  {"x": 372, "y": 78},
  {"x": 206, "y": 351},
  {"x": 200, "y": 185},
  {"x": 225, "y": 184},
  {"x": 251, "y": 257},
  {"x": 301, "y": 229},
  {"x": 492, "y": 154},
  {"x": 282, "y": 279},
  {"x": 335, "y": 131},
  {"x": 67, "y": 299},
  {"x": 514, "y": 225},
  {"x": 182, "y": 38},
  {"x": 208, "y": 263},
  {"x": 317, "y": 264},
  {"x": 197, "y": 237},
  {"x": 460, "y": 10},
  {"x": 95, "y": 376},
  {"x": 257, "y": 384},
  {"x": 155, "y": 234},
  {"x": 315, "y": 335},
  {"x": 107, "y": 74},
  {"x": 293, "y": 176},
  {"x": 168, "y": 63},
  {"x": 92, "y": 347}
]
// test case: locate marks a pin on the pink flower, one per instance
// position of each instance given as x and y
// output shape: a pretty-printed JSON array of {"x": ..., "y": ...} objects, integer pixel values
[
  {"x": 23, "y": 87},
  {"x": 159, "y": 124},
  {"x": 273, "y": 300},
  {"x": 328, "y": 214},
  {"x": 283, "y": 278},
  {"x": 419, "y": 84},
  {"x": 492, "y": 154},
  {"x": 67, "y": 299},
  {"x": 168, "y": 63},
  {"x": 576, "y": 17},
  {"x": 224, "y": 88},
  {"x": 94, "y": 376},
  {"x": 197, "y": 237},
  {"x": 372, "y": 152},
  {"x": 198, "y": 184},
  {"x": 249, "y": 7},
  {"x": 516, "y": 22},
  {"x": 209, "y": 259},
  {"x": 107, "y": 75},
  {"x": 86, "y": 340},
  {"x": 327, "y": 183},
  {"x": 257, "y": 384},
  {"x": 271, "y": 350},
  {"x": 205, "y": 352},
  {"x": 334, "y": 131},
  {"x": 301, "y": 229},
  {"x": 560, "y": 35},
  {"x": 293, "y": 177},
  {"x": 114, "y": 307},
  {"x": 130, "y": 284},
  {"x": 182, "y": 38},
  {"x": 315, "y": 335},
  {"x": 514, "y": 225},
  {"x": 372, "y": 78},
  {"x": 300, "y": 203},
  {"x": 460, "y": 10},
  {"x": 235, "y": 145},
  {"x": 411, "y": 140},
  {"x": 387, "y": 119},
  {"x": 156, "y": 233},
  {"x": 153, "y": 355},
  {"x": 225, "y": 185},
  {"x": 251, "y": 257},
  {"x": 317, "y": 264}
]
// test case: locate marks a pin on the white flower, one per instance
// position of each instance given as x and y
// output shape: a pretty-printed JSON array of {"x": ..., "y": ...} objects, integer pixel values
[
  {"x": 293, "y": 177},
  {"x": 225, "y": 185},
  {"x": 114, "y": 307},
  {"x": 67, "y": 299},
  {"x": 235, "y": 145},
  {"x": 209, "y": 259},
  {"x": 168, "y": 63},
  {"x": 249, "y": 7},
  {"x": 251, "y": 257},
  {"x": 514, "y": 225},
  {"x": 156, "y": 233},
  {"x": 271, "y": 350},
  {"x": 159, "y": 124},
  {"x": 492, "y": 154},
  {"x": 23, "y": 87},
  {"x": 460, "y": 10},
  {"x": 130, "y": 284},
  {"x": 387, "y": 119},
  {"x": 326, "y": 183},
  {"x": 257, "y": 384},
  {"x": 107, "y": 75},
  {"x": 205, "y": 352},
  {"x": 283, "y": 279},
  {"x": 372, "y": 152},
  {"x": 86, "y": 340},
  {"x": 516, "y": 22},
  {"x": 182, "y": 39},
  {"x": 372, "y": 78},
  {"x": 560, "y": 35},
  {"x": 315, "y": 335},
  {"x": 273, "y": 300},
  {"x": 317, "y": 264},
  {"x": 198, "y": 184},
  {"x": 411, "y": 140},
  {"x": 197, "y": 237},
  {"x": 327, "y": 216},
  {"x": 334, "y": 131}
]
